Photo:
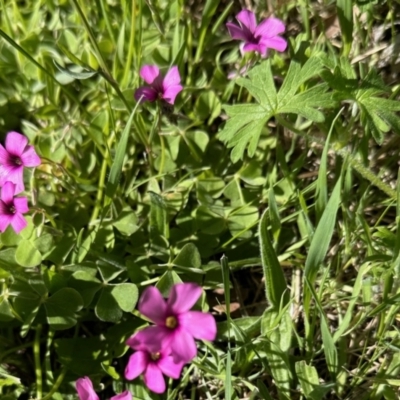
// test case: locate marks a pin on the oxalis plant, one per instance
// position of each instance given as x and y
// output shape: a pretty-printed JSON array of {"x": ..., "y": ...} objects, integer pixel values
[{"x": 199, "y": 200}]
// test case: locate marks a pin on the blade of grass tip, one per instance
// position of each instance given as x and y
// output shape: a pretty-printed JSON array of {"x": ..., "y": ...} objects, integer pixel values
[
  {"x": 321, "y": 189},
  {"x": 275, "y": 282},
  {"x": 117, "y": 164},
  {"x": 208, "y": 12}
]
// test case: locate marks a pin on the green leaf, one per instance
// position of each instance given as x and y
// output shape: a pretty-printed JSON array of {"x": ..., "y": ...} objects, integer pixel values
[
  {"x": 81, "y": 355},
  {"x": 126, "y": 296},
  {"x": 74, "y": 71},
  {"x": 166, "y": 282},
  {"x": 85, "y": 284},
  {"x": 107, "y": 307},
  {"x": 27, "y": 255},
  {"x": 61, "y": 308},
  {"x": 188, "y": 257},
  {"x": 323, "y": 234},
  {"x": 117, "y": 164},
  {"x": 308, "y": 377},
  {"x": 276, "y": 327},
  {"x": 345, "y": 15},
  {"x": 127, "y": 222},
  {"x": 244, "y": 127},
  {"x": 9, "y": 237},
  {"x": 275, "y": 282}
]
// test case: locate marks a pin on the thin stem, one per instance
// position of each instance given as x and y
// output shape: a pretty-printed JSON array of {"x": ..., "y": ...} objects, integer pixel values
[
  {"x": 56, "y": 384},
  {"x": 38, "y": 365},
  {"x": 107, "y": 21},
  {"x": 99, "y": 197},
  {"x": 131, "y": 47}
]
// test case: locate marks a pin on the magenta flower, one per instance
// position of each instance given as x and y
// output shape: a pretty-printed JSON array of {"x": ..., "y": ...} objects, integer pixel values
[
  {"x": 84, "y": 387},
  {"x": 12, "y": 208},
  {"x": 14, "y": 158},
  {"x": 152, "y": 361},
  {"x": 260, "y": 37},
  {"x": 176, "y": 326},
  {"x": 161, "y": 88}
]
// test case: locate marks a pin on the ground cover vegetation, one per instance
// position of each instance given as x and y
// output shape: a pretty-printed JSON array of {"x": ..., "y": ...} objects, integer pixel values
[{"x": 199, "y": 199}]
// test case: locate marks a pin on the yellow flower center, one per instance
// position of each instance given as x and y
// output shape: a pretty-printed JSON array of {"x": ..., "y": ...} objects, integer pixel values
[
  {"x": 155, "y": 356},
  {"x": 171, "y": 322}
]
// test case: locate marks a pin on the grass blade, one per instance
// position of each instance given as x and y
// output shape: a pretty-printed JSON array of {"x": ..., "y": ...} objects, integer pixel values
[{"x": 275, "y": 282}]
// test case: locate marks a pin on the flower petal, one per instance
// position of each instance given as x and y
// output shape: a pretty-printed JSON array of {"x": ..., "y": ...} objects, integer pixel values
[
  {"x": 169, "y": 367},
  {"x": 4, "y": 156},
  {"x": 237, "y": 32},
  {"x": 172, "y": 78},
  {"x": 200, "y": 325},
  {"x": 123, "y": 396},
  {"x": 85, "y": 390},
  {"x": 151, "y": 339},
  {"x": 137, "y": 364},
  {"x": 153, "y": 378},
  {"x": 16, "y": 143},
  {"x": 153, "y": 305},
  {"x": 7, "y": 192},
  {"x": 253, "y": 47},
  {"x": 149, "y": 73},
  {"x": 183, "y": 346},
  {"x": 30, "y": 158},
  {"x": 247, "y": 19},
  {"x": 269, "y": 28},
  {"x": 171, "y": 92},
  {"x": 146, "y": 93},
  {"x": 18, "y": 222},
  {"x": 21, "y": 204},
  {"x": 183, "y": 297},
  {"x": 14, "y": 175},
  {"x": 5, "y": 219},
  {"x": 276, "y": 43}
]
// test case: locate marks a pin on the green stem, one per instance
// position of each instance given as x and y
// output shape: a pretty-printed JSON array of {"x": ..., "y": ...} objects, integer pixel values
[
  {"x": 131, "y": 47},
  {"x": 99, "y": 197},
  {"x": 38, "y": 365},
  {"x": 107, "y": 21},
  {"x": 369, "y": 175},
  {"x": 56, "y": 384}
]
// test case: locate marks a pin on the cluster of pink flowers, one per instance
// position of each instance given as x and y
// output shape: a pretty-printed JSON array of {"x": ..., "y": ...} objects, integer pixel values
[
  {"x": 258, "y": 38},
  {"x": 16, "y": 155},
  {"x": 167, "y": 346}
]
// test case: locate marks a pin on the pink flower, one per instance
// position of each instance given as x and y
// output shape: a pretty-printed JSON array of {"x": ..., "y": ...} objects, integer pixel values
[
  {"x": 12, "y": 208},
  {"x": 176, "y": 326},
  {"x": 165, "y": 88},
  {"x": 260, "y": 37},
  {"x": 151, "y": 363},
  {"x": 14, "y": 158},
  {"x": 84, "y": 387}
]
